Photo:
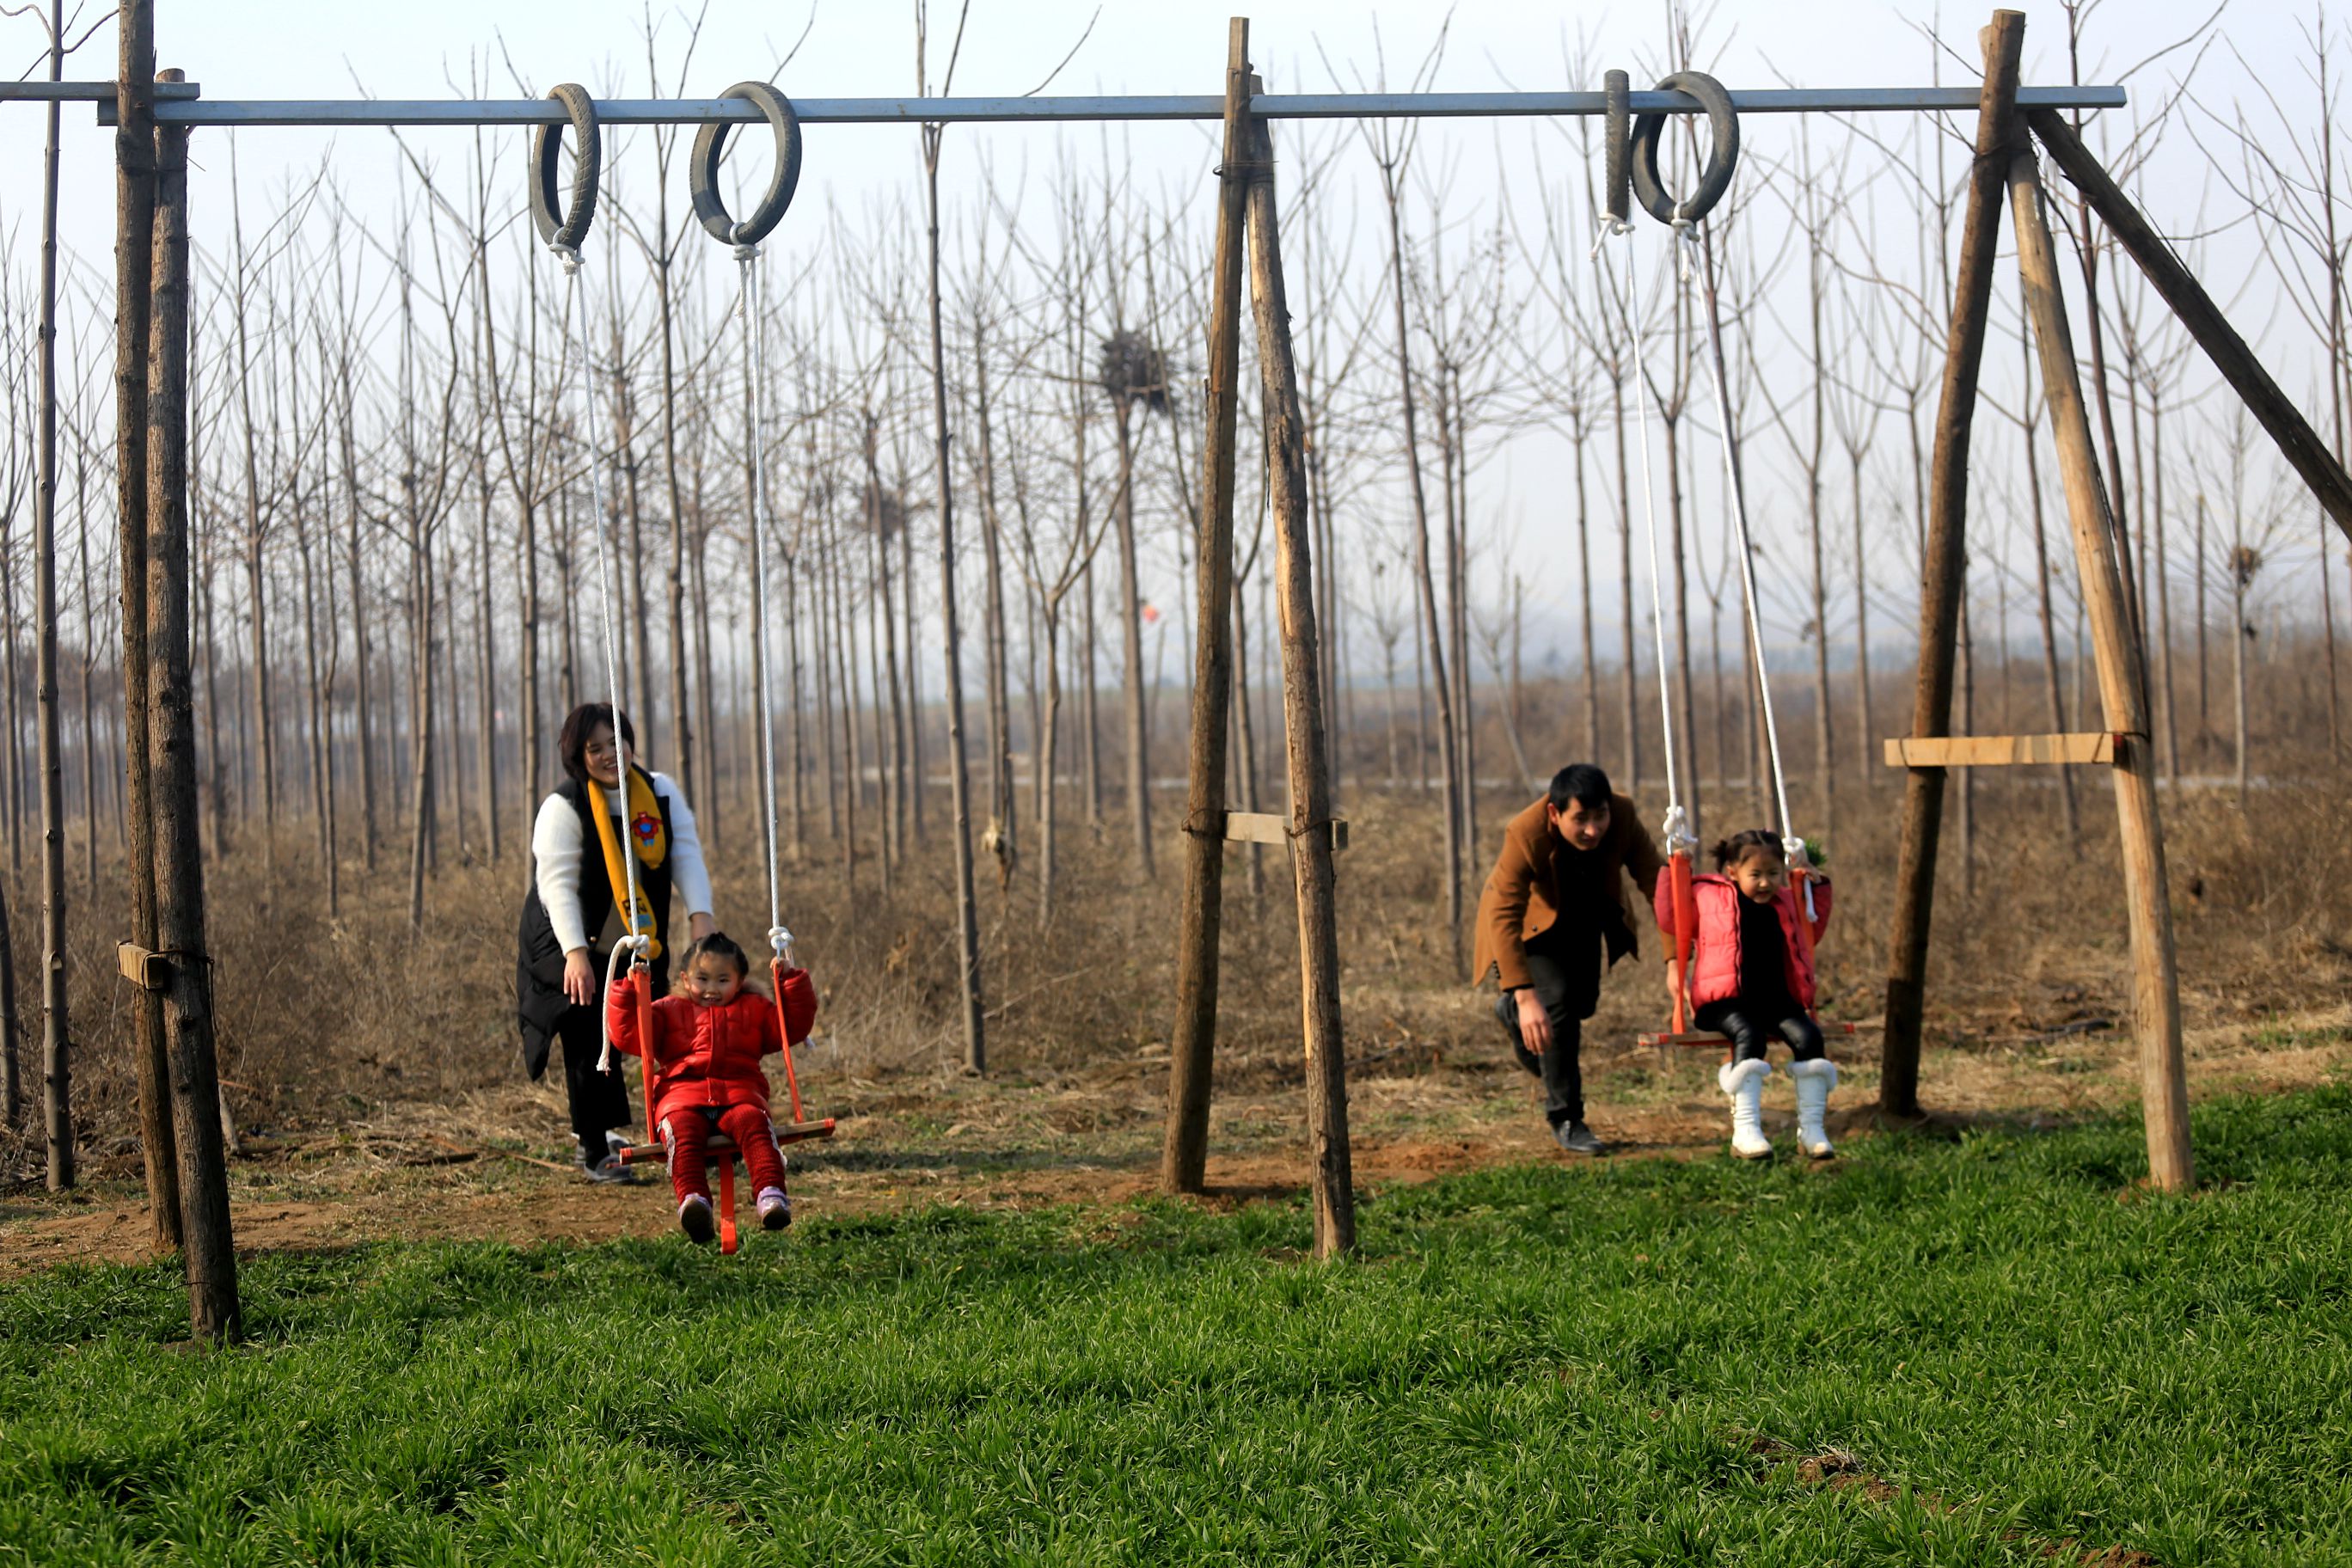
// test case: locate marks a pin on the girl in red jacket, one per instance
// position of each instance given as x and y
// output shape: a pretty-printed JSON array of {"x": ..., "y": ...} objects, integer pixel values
[
  {"x": 1752, "y": 981},
  {"x": 709, "y": 1034}
]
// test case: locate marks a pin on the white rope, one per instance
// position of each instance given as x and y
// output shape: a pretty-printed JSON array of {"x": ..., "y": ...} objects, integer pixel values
[
  {"x": 1676, "y": 830},
  {"x": 1792, "y": 843},
  {"x": 751, "y": 301},
  {"x": 635, "y": 941}
]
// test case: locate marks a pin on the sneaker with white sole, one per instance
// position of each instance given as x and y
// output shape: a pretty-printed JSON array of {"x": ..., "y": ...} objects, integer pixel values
[
  {"x": 775, "y": 1208},
  {"x": 606, "y": 1169},
  {"x": 695, "y": 1218}
]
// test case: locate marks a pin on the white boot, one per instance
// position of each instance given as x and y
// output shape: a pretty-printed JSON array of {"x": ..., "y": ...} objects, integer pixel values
[
  {"x": 1814, "y": 1080},
  {"x": 1744, "y": 1082}
]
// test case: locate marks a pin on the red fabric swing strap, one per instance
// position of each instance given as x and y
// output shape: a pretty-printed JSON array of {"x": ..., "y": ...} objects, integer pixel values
[
  {"x": 777, "y": 969},
  {"x": 1686, "y": 907},
  {"x": 725, "y": 1163}
]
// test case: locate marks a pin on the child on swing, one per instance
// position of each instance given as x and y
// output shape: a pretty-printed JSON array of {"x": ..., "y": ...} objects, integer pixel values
[
  {"x": 708, "y": 1036},
  {"x": 1751, "y": 980}
]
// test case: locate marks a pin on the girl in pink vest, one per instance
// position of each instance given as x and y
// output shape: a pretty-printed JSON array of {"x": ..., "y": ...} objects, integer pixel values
[{"x": 1752, "y": 981}]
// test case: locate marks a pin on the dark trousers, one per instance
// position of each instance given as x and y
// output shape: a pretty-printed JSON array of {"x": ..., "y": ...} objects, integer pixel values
[
  {"x": 1565, "y": 970},
  {"x": 599, "y": 1100},
  {"x": 1752, "y": 1028}
]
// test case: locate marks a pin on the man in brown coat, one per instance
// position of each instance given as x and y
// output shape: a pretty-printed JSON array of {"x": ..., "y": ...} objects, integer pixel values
[{"x": 1551, "y": 905}]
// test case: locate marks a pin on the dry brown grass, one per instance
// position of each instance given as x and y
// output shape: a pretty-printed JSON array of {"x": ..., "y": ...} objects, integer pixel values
[{"x": 356, "y": 1049}]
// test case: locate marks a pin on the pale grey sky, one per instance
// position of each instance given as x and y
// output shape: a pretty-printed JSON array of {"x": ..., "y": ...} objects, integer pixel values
[{"x": 268, "y": 48}]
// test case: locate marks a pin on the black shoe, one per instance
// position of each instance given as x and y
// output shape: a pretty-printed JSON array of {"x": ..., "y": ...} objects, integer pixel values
[
  {"x": 1577, "y": 1138},
  {"x": 607, "y": 1171}
]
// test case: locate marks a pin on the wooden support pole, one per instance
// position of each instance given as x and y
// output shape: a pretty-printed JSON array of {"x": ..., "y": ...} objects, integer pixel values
[
  {"x": 1943, "y": 573},
  {"x": 2156, "y": 984},
  {"x": 213, "y": 1312},
  {"x": 1334, "y": 1194},
  {"x": 134, "y": 218},
  {"x": 1183, "y": 1161},
  {"x": 2297, "y": 441},
  {"x": 57, "y": 1052}
]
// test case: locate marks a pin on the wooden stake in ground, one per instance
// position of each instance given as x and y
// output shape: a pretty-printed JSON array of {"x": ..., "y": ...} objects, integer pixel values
[
  {"x": 1183, "y": 1161},
  {"x": 55, "y": 1060},
  {"x": 170, "y": 741},
  {"x": 1311, "y": 836},
  {"x": 2156, "y": 984},
  {"x": 134, "y": 219},
  {"x": 1943, "y": 571},
  {"x": 2298, "y": 443}
]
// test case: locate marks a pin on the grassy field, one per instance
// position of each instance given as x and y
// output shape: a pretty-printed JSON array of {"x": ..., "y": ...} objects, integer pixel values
[{"x": 1978, "y": 1352}]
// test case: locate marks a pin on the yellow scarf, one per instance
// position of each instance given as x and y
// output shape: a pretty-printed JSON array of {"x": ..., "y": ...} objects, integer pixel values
[{"x": 649, "y": 840}]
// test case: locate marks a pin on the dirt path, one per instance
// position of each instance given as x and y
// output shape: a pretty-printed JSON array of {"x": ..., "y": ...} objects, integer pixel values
[{"x": 479, "y": 1170}]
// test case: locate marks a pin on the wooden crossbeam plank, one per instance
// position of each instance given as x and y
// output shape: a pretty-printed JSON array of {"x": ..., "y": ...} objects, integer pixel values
[
  {"x": 1997, "y": 751},
  {"x": 1267, "y": 827}
]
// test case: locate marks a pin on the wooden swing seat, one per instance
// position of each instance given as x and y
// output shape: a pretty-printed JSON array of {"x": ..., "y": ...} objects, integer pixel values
[{"x": 1697, "y": 1039}]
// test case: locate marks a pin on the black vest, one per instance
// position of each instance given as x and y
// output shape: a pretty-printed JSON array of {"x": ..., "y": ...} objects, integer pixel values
[{"x": 539, "y": 1003}]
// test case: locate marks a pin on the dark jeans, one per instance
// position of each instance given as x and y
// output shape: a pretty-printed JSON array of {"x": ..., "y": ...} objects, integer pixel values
[
  {"x": 1565, "y": 968},
  {"x": 599, "y": 1100},
  {"x": 1751, "y": 1028}
]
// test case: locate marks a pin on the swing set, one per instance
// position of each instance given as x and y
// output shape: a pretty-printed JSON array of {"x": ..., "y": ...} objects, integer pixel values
[
  {"x": 155, "y": 114},
  {"x": 562, "y": 227}
]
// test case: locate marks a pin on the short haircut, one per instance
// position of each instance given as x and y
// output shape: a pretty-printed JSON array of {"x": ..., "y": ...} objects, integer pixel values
[
  {"x": 1582, "y": 782},
  {"x": 572, "y": 743},
  {"x": 719, "y": 945}
]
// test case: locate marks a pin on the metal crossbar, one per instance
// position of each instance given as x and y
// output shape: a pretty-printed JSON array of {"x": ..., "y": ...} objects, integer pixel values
[{"x": 180, "y": 104}]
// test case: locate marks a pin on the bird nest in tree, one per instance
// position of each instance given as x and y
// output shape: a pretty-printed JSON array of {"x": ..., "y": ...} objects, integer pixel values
[
  {"x": 1134, "y": 371},
  {"x": 881, "y": 509}
]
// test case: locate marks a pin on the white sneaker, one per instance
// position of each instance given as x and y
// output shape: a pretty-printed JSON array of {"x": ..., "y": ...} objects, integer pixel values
[
  {"x": 1814, "y": 1080},
  {"x": 775, "y": 1208},
  {"x": 1744, "y": 1082},
  {"x": 695, "y": 1218}
]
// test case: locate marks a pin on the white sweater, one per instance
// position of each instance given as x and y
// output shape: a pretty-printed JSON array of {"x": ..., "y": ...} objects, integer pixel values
[{"x": 556, "y": 846}]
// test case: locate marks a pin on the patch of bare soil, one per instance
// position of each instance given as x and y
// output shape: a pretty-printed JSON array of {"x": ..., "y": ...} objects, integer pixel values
[{"x": 491, "y": 1165}]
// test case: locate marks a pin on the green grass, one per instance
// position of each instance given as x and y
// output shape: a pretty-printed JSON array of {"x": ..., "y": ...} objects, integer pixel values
[{"x": 1613, "y": 1363}]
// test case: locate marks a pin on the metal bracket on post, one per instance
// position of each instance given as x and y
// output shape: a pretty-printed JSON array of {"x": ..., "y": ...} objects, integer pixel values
[
  {"x": 147, "y": 971},
  {"x": 1265, "y": 827}
]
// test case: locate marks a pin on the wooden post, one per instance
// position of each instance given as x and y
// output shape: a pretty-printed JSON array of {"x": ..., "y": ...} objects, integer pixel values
[
  {"x": 135, "y": 157},
  {"x": 57, "y": 1061},
  {"x": 1943, "y": 577},
  {"x": 1183, "y": 1161},
  {"x": 2156, "y": 984},
  {"x": 1302, "y": 721},
  {"x": 2297, "y": 441},
  {"x": 170, "y": 741}
]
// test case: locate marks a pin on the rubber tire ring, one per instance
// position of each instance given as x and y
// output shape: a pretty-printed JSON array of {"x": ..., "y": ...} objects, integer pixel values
[
  {"x": 566, "y": 227},
  {"x": 1617, "y": 87},
  {"x": 710, "y": 145},
  {"x": 1722, "y": 158}
]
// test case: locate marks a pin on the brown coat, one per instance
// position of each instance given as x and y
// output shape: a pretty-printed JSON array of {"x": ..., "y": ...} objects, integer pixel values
[{"x": 1521, "y": 901}]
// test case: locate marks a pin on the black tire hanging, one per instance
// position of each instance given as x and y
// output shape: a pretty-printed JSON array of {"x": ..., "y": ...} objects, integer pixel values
[
  {"x": 560, "y": 226},
  {"x": 1722, "y": 158},
  {"x": 710, "y": 145}
]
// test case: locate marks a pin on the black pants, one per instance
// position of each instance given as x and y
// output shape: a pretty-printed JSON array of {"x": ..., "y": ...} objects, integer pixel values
[
  {"x": 1565, "y": 970},
  {"x": 1752, "y": 1028},
  {"x": 599, "y": 1100}
]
